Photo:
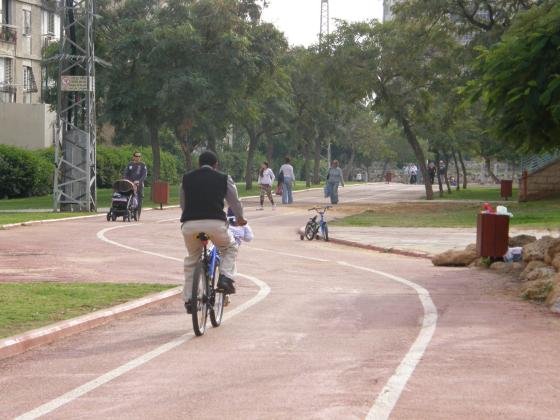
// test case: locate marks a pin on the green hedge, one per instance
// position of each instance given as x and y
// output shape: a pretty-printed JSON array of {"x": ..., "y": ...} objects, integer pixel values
[
  {"x": 111, "y": 162},
  {"x": 23, "y": 173}
]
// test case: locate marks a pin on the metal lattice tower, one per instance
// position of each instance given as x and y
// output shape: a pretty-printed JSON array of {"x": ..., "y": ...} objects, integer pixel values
[
  {"x": 75, "y": 141},
  {"x": 325, "y": 31},
  {"x": 325, "y": 18}
]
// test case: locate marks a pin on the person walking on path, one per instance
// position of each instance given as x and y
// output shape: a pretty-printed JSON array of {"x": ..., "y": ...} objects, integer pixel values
[
  {"x": 432, "y": 172},
  {"x": 202, "y": 196},
  {"x": 136, "y": 172},
  {"x": 287, "y": 171},
  {"x": 265, "y": 180},
  {"x": 413, "y": 173},
  {"x": 334, "y": 179}
]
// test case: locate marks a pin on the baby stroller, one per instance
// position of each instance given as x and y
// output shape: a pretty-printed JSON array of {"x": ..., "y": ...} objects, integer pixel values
[{"x": 124, "y": 201}]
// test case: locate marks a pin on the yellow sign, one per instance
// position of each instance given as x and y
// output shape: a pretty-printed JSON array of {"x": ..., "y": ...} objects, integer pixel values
[{"x": 77, "y": 84}]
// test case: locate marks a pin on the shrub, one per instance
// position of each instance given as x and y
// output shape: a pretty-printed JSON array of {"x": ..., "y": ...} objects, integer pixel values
[
  {"x": 111, "y": 162},
  {"x": 23, "y": 173}
]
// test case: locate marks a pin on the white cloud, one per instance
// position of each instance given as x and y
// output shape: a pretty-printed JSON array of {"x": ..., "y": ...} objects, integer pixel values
[{"x": 300, "y": 19}]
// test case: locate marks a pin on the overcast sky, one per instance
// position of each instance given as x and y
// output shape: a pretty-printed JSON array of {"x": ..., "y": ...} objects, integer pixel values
[{"x": 299, "y": 19}]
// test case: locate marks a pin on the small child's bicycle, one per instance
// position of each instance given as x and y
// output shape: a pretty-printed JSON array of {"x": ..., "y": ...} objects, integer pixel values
[{"x": 313, "y": 226}]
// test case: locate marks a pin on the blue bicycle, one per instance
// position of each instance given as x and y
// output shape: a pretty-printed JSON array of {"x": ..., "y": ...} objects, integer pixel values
[
  {"x": 313, "y": 226},
  {"x": 205, "y": 296}
]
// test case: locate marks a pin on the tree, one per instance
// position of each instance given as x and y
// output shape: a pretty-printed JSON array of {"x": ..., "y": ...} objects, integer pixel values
[
  {"x": 519, "y": 80},
  {"x": 376, "y": 61},
  {"x": 134, "y": 80}
]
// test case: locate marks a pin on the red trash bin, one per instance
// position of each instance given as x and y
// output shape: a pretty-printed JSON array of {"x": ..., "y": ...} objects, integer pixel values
[
  {"x": 160, "y": 193},
  {"x": 506, "y": 188},
  {"x": 492, "y": 235}
]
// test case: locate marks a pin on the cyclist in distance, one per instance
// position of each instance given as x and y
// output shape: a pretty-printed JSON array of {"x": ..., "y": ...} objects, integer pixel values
[{"x": 202, "y": 196}]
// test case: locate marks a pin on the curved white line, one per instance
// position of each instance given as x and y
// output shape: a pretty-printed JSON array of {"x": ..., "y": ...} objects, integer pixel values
[
  {"x": 76, "y": 393},
  {"x": 391, "y": 392}
]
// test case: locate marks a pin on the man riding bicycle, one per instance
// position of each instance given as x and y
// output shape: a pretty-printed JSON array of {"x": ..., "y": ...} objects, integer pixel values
[{"x": 202, "y": 196}]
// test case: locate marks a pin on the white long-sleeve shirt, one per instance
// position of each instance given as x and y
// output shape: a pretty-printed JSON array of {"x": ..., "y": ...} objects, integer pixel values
[
  {"x": 241, "y": 233},
  {"x": 267, "y": 177},
  {"x": 288, "y": 170}
]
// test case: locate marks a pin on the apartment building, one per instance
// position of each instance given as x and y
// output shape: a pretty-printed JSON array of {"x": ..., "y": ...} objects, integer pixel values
[{"x": 26, "y": 28}]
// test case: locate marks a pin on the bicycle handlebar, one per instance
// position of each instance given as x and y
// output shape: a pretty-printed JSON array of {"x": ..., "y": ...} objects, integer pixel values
[{"x": 319, "y": 208}]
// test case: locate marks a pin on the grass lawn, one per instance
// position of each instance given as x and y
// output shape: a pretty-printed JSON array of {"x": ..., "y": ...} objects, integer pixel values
[
  {"x": 538, "y": 214},
  {"x": 7, "y": 218},
  {"x": 25, "y": 306},
  {"x": 104, "y": 198},
  {"x": 474, "y": 193}
]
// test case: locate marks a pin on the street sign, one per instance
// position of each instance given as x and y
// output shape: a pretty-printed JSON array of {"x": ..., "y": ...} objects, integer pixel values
[{"x": 76, "y": 84}]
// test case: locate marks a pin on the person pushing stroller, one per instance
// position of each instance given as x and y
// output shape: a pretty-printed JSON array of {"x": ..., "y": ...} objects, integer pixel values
[{"x": 136, "y": 172}]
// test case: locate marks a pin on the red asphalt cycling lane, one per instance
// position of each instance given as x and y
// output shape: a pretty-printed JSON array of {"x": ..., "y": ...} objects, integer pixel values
[{"x": 322, "y": 344}]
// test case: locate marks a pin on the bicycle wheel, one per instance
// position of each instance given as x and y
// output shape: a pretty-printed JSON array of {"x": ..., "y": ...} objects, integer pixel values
[
  {"x": 199, "y": 300},
  {"x": 326, "y": 232},
  {"x": 310, "y": 231},
  {"x": 217, "y": 308}
]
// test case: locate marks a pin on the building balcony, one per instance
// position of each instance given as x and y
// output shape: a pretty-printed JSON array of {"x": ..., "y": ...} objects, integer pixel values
[{"x": 8, "y": 33}]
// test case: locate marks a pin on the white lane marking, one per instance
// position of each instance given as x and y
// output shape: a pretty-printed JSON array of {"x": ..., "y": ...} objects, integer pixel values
[
  {"x": 287, "y": 254},
  {"x": 76, "y": 393},
  {"x": 391, "y": 392},
  {"x": 175, "y": 219}
]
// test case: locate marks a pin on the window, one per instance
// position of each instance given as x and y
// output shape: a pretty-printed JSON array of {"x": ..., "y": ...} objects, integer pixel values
[
  {"x": 50, "y": 23},
  {"x": 27, "y": 78},
  {"x": 7, "y": 90},
  {"x": 26, "y": 22},
  {"x": 4, "y": 11}
]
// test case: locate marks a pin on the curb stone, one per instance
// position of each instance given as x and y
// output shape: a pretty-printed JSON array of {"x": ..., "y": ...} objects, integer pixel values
[
  {"x": 395, "y": 251},
  {"x": 20, "y": 343}
]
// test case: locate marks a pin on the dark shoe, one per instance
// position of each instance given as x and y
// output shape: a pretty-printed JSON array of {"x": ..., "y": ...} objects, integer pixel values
[
  {"x": 225, "y": 285},
  {"x": 188, "y": 307}
]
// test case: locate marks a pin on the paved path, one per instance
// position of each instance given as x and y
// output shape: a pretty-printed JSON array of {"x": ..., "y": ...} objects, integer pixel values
[
  {"x": 318, "y": 331},
  {"x": 423, "y": 240}
]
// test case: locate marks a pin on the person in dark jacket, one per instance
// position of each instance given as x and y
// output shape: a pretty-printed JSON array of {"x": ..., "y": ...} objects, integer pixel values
[
  {"x": 202, "y": 196},
  {"x": 136, "y": 172}
]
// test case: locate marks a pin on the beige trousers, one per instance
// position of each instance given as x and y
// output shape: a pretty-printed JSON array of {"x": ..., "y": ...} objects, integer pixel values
[{"x": 220, "y": 236}]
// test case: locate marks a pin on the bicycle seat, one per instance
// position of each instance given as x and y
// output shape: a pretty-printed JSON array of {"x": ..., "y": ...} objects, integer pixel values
[{"x": 204, "y": 238}]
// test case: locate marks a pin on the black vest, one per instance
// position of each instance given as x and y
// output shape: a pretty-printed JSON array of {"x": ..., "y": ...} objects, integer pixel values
[{"x": 205, "y": 191}]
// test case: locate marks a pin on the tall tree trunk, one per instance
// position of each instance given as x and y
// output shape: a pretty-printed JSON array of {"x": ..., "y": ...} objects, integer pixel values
[
  {"x": 383, "y": 171},
  {"x": 269, "y": 148},
  {"x": 211, "y": 142},
  {"x": 181, "y": 134},
  {"x": 446, "y": 158},
  {"x": 457, "y": 169},
  {"x": 419, "y": 153},
  {"x": 253, "y": 142},
  {"x": 154, "y": 142},
  {"x": 317, "y": 158},
  {"x": 464, "y": 169},
  {"x": 307, "y": 159},
  {"x": 440, "y": 181},
  {"x": 350, "y": 165},
  {"x": 489, "y": 171}
]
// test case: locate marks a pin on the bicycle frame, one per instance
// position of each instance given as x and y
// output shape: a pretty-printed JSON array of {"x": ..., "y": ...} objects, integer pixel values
[{"x": 211, "y": 259}]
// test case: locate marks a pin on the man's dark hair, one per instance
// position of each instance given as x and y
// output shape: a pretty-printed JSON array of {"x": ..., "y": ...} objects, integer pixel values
[
  {"x": 207, "y": 158},
  {"x": 287, "y": 159}
]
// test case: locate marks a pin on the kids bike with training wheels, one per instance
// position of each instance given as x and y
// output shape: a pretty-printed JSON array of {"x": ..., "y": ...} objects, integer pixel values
[
  {"x": 313, "y": 226},
  {"x": 206, "y": 298}
]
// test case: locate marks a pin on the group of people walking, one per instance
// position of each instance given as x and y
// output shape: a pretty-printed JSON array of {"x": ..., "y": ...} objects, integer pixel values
[{"x": 286, "y": 182}]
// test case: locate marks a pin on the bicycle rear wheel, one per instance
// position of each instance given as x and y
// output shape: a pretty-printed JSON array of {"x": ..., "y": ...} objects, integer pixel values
[
  {"x": 326, "y": 232},
  {"x": 199, "y": 300},
  {"x": 217, "y": 309}
]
